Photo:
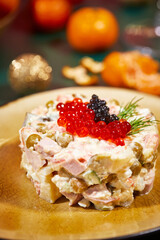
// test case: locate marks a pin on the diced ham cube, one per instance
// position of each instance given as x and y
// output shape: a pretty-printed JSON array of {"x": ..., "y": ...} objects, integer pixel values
[
  {"x": 34, "y": 159},
  {"x": 74, "y": 167},
  {"x": 98, "y": 194},
  {"x": 73, "y": 197},
  {"x": 47, "y": 145}
]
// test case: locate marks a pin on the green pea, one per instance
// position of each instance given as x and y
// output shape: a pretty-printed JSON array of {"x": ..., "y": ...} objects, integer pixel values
[
  {"x": 51, "y": 135},
  {"x": 64, "y": 139},
  {"x": 41, "y": 128},
  {"x": 32, "y": 140}
]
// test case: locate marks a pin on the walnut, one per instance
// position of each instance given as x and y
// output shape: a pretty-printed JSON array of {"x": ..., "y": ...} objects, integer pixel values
[
  {"x": 91, "y": 65},
  {"x": 79, "y": 75}
]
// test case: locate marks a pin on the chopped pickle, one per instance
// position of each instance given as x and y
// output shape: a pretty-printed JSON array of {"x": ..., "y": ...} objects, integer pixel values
[
  {"x": 148, "y": 165},
  {"x": 46, "y": 119},
  {"x": 91, "y": 177},
  {"x": 100, "y": 164},
  {"x": 111, "y": 177},
  {"x": 136, "y": 168},
  {"x": 110, "y": 188},
  {"x": 152, "y": 156},
  {"x": 49, "y": 104},
  {"x": 32, "y": 140},
  {"x": 137, "y": 149}
]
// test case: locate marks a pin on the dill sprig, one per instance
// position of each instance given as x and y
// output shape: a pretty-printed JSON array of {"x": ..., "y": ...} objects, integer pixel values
[
  {"x": 138, "y": 123},
  {"x": 129, "y": 110}
]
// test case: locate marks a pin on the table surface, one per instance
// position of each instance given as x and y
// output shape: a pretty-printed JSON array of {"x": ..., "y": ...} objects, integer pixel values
[{"x": 21, "y": 37}]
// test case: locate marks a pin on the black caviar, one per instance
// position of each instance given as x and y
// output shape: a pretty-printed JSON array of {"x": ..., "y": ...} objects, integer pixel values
[{"x": 101, "y": 110}]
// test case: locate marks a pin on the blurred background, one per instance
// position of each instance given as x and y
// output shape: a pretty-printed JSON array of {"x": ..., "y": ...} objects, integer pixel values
[{"x": 38, "y": 38}]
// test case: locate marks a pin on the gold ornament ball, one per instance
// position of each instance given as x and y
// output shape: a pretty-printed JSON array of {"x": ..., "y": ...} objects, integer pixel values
[{"x": 29, "y": 72}]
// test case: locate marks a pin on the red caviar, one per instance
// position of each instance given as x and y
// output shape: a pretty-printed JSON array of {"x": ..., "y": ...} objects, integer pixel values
[{"x": 78, "y": 119}]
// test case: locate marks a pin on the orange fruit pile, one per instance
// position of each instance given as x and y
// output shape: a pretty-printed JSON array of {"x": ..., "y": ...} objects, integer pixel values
[
  {"x": 133, "y": 70},
  {"x": 92, "y": 29}
]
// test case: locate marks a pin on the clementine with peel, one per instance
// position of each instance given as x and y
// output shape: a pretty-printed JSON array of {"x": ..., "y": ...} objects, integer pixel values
[
  {"x": 92, "y": 29},
  {"x": 114, "y": 67},
  {"x": 51, "y": 14}
]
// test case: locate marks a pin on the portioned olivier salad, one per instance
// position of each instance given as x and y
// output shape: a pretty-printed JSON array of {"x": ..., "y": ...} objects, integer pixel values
[{"x": 90, "y": 151}]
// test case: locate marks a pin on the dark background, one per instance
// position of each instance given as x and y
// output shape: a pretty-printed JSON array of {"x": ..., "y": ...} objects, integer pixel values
[{"x": 21, "y": 36}]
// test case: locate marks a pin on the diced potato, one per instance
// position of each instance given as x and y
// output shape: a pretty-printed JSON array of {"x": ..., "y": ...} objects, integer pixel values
[{"x": 49, "y": 192}]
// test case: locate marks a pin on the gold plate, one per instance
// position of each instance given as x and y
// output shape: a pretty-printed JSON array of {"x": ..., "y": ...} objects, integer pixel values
[{"x": 23, "y": 215}]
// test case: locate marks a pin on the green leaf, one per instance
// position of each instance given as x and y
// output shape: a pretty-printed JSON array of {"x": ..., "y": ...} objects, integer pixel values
[
  {"x": 138, "y": 123},
  {"x": 129, "y": 110}
]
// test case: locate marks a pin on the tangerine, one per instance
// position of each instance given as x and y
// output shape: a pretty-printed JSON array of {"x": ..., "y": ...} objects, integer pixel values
[
  {"x": 114, "y": 66},
  {"x": 92, "y": 29},
  {"x": 51, "y": 14}
]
